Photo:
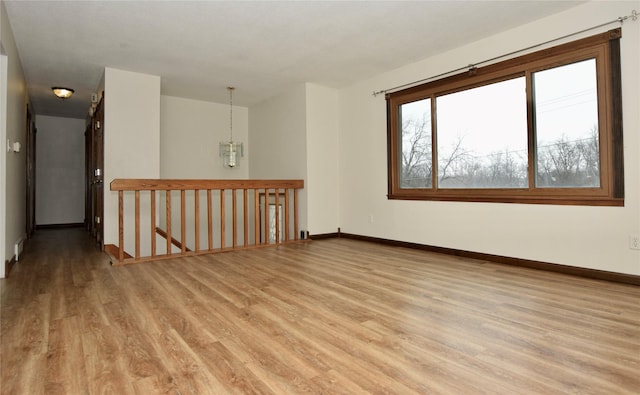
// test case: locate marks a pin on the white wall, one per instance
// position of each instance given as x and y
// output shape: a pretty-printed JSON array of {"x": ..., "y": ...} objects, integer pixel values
[
  {"x": 322, "y": 159},
  {"x": 193, "y": 129},
  {"x": 589, "y": 237},
  {"x": 277, "y": 131},
  {"x": 13, "y": 105},
  {"x": 277, "y": 128},
  {"x": 131, "y": 145},
  {"x": 60, "y": 146}
]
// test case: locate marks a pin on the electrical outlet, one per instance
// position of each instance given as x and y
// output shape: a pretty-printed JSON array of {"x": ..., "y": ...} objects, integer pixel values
[
  {"x": 370, "y": 218},
  {"x": 634, "y": 242}
]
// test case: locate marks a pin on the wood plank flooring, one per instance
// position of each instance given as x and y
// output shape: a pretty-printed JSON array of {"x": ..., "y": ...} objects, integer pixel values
[{"x": 325, "y": 317}]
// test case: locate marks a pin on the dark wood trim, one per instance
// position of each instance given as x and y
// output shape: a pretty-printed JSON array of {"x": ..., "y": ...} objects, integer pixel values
[
  {"x": 531, "y": 264},
  {"x": 114, "y": 252},
  {"x": 392, "y": 168},
  {"x": 61, "y": 226},
  {"x": 174, "y": 241},
  {"x": 88, "y": 175},
  {"x": 532, "y": 199},
  {"x": 323, "y": 236},
  {"x": 617, "y": 149},
  {"x": 8, "y": 265},
  {"x": 30, "y": 174},
  {"x": 95, "y": 181}
]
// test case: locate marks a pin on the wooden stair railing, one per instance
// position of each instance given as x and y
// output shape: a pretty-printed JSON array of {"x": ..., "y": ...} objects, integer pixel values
[
  {"x": 273, "y": 204},
  {"x": 174, "y": 241}
]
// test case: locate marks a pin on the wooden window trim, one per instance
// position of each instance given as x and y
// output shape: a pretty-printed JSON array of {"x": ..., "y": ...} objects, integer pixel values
[{"x": 605, "y": 49}]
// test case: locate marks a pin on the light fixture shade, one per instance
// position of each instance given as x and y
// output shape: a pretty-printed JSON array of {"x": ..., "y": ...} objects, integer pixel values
[
  {"x": 231, "y": 152},
  {"x": 63, "y": 93}
]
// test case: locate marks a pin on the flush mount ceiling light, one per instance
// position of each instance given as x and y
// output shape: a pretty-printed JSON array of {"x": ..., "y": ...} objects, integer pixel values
[
  {"x": 63, "y": 93},
  {"x": 231, "y": 151}
]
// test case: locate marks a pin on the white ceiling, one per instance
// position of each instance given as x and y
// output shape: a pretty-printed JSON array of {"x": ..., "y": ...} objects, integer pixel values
[{"x": 198, "y": 48}]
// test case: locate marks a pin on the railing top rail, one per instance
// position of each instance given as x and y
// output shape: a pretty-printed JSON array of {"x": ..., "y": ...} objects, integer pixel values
[{"x": 136, "y": 184}]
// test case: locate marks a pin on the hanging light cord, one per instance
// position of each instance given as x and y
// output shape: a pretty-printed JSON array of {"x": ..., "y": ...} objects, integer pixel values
[
  {"x": 633, "y": 16},
  {"x": 230, "y": 88}
]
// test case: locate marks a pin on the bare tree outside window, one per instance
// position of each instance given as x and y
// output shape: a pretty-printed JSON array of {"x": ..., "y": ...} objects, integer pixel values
[
  {"x": 484, "y": 147},
  {"x": 569, "y": 163},
  {"x": 416, "y": 144},
  {"x": 566, "y": 113}
]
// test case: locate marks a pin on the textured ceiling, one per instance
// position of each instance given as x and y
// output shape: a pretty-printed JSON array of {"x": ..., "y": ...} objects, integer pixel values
[{"x": 262, "y": 48}]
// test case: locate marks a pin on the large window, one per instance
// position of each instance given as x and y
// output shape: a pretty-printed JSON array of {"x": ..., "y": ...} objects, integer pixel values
[{"x": 541, "y": 128}]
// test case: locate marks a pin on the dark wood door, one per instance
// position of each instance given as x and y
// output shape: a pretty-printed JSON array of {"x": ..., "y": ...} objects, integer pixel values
[
  {"x": 31, "y": 175},
  {"x": 97, "y": 173},
  {"x": 88, "y": 176}
]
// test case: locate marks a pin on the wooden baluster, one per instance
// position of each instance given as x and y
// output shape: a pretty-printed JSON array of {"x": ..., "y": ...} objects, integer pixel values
[
  {"x": 183, "y": 228},
  {"x": 277, "y": 214},
  {"x": 168, "y": 200},
  {"x": 121, "y": 226},
  {"x": 137, "y": 219},
  {"x": 286, "y": 215},
  {"x": 233, "y": 213},
  {"x": 209, "y": 220},
  {"x": 222, "y": 220},
  {"x": 153, "y": 222},
  {"x": 295, "y": 214},
  {"x": 196, "y": 204},
  {"x": 266, "y": 216},
  {"x": 245, "y": 216},
  {"x": 256, "y": 216}
]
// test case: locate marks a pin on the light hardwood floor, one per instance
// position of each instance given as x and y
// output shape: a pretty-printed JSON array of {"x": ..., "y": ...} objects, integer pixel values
[{"x": 332, "y": 316}]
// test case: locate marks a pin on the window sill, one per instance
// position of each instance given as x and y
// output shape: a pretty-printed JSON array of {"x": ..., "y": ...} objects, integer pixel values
[{"x": 535, "y": 199}]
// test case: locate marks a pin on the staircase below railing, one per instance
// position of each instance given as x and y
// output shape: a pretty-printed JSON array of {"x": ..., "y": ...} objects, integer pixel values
[{"x": 260, "y": 214}]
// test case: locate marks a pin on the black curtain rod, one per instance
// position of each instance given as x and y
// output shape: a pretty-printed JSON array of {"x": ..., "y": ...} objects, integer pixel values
[{"x": 633, "y": 16}]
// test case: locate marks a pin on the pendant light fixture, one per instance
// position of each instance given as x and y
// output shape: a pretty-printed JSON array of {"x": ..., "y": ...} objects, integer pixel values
[{"x": 231, "y": 151}]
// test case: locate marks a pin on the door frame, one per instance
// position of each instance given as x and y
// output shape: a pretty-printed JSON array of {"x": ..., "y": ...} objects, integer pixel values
[
  {"x": 94, "y": 149},
  {"x": 30, "y": 175}
]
